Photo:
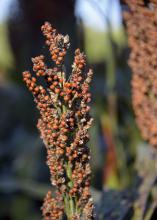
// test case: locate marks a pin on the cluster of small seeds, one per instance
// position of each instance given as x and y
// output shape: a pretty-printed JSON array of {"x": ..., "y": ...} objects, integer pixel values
[
  {"x": 39, "y": 65},
  {"x": 64, "y": 123},
  {"x": 141, "y": 22},
  {"x": 58, "y": 56},
  {"x": 58, "y": 44},
  {"x": 79, "y": 59},
  {"x": 53, "y": 208}
]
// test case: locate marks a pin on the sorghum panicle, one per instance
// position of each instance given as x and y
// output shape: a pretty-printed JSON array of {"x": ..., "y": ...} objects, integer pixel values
[
  {"x": 63, "y": 124},
  {"x": 141, "y": 22}
]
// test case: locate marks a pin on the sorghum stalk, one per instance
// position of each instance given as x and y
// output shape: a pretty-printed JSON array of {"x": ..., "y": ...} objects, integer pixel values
[{"x": 63, "y": 124}]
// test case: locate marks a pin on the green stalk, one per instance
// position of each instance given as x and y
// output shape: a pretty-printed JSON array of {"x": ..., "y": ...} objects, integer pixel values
[{"x": 70, "y": 202}]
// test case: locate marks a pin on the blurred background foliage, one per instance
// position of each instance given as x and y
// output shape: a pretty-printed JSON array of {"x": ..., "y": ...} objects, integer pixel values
[{"x": 96, "y": 27}]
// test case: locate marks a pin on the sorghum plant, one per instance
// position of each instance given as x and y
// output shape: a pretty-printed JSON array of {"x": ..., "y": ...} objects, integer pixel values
[
  {"x": 141, "y": 22},
  {"x": 63, "y": 124}
]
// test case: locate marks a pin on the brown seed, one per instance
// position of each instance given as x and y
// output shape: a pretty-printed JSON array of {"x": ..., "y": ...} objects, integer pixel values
[
  {"x": 56, "y": 51},
  {"x": 68, "y": 84},
  {"x": 47, "y": 42},
  {"x": 66, "y": 98},
  {"x": 61, "y": 54},
  {"x": 82, "y": 62},
  {"x": 68, "y": 91},
  {"x": 49, "y": 79},
  {"x": 55, "y": 83},
  {"x": 55, "y": 77},
  {"x": 52, "y": 87},
  {"x": 63, "y": 123},
  {"x": 74, "y": 85},
  {"x": 43, "y": 91},
  {"x": 40, "y": 104},
  {"x": 54, "y": 135},
  {"x": 36, "y": 89},
  {"x": 77, "y": 61},
  {"x": 46, "y": 114},
  {"x": 62, "y": 145},
  {"x": 34, "y": 79},
  {"x": 28, "y": 81},
  {"x": 57, "y": 91},
  {"x": 68, "y": 150},
  {"x": 74, "y": 190},
  {"x": 55, "y": 127},
  {"x": 60, "y": 58},
  {"x": 31, "y": 88},
  {"x": 64, "y": 138},
  {"x": 79, "y": 113},
  {"x": 54, "y": 57},
  {"x": 71, "y": 119},
  {"x": 75, "y": 155},
  {"x": 49, "y": 131},
  {"x": 61, "y": 151},
  {"x": 79, "y": 78},
  {"x": 80, "y": 66},
  {"x": 80, "y": 175},
  {"x": 46, "y": 98},
  {"x": 60, "y": 80},
  {"x": 58, "y": 62},
  {"x": 65, "y": 130}
]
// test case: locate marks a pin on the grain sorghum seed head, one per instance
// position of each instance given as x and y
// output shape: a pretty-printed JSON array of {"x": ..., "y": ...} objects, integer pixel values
[
  {"x": 63, "y": 124},
  {"x": 142, "y": 37}
]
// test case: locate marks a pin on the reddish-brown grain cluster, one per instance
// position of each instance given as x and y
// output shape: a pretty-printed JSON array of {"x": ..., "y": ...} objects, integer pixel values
[
  {"x": 141, "y": 22},
  {"x": 64, "y": 123}
]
